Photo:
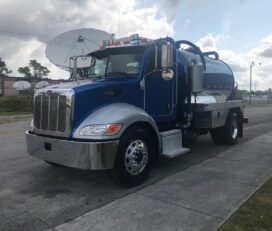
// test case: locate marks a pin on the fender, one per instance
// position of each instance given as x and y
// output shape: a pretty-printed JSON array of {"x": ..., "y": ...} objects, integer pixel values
[{"x": 123, "y": 113}]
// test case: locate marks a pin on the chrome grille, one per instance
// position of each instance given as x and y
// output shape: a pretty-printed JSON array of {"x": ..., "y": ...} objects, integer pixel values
[{"x": 50, "y": 112}]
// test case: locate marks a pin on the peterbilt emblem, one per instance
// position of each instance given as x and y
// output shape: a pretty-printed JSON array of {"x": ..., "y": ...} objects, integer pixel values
[{"x": 49, "y": 93}]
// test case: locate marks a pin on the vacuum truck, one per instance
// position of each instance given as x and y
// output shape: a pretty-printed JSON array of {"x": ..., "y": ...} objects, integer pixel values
[{"x": 131, "y": 102}]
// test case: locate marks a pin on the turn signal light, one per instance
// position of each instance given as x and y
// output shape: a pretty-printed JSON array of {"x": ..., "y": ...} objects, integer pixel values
[{"x": 112, "y": 129}]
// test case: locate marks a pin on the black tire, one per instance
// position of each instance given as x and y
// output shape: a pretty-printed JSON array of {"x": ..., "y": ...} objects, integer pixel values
[
  {"x": 143, "y": 150},
  {"x": 216, "y": 135},
  {"x": 229, "y": 133},
  {"x": 53, "y": 164},
  {"x": 232, "y": 129}
]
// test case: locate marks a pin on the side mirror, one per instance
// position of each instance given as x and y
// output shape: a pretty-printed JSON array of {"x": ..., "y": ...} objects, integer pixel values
[
  {"x": 166, "y": 56},
  {"x": 196, "y": 78},
  {"x": 80, "y": 66},
  {"x": 84, "y": 61}
]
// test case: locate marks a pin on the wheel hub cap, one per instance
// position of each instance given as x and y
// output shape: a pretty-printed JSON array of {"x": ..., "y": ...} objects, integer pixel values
[
  {"x": 234, "y": 129},
  {"x": 136, "y": 157}
]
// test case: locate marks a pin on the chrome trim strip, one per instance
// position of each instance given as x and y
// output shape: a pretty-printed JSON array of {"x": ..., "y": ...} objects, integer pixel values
[
  {"x": 41, "y": 114},
  {"x": 156, "y": 56},
  {"x": 177, "y": 79},
  {"x": 57, "y": 123},
  {"x": 49, "y": 112}
]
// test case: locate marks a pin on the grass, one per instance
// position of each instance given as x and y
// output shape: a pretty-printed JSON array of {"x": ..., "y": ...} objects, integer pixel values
[
  {"x": 258, "y": 105},
  {"x": 15, "y": 120},
  {"x": 16, "y": 104},
  {"x": 15, "y": 113},
  {"x": 255, "y": 214}
]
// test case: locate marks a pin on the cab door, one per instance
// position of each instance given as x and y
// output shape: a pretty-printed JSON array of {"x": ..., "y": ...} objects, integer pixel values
[{"x": 159, "y": 93}]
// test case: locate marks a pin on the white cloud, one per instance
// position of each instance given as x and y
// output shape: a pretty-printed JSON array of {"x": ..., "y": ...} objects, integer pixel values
[
  {"x": 265, "y": 49},
  {"x": 211, "y": 42},
  {"x": 47, "y": 18},
  {"x": 240, "y": 62},
  {"x": 186, "y": 23}
]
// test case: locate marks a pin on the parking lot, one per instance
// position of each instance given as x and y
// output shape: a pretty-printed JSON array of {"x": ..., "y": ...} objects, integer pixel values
[{"x": 37, "y": 196}]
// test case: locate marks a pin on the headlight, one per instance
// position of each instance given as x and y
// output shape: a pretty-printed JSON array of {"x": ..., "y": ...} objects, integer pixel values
[{"x": 96, "y": 130}]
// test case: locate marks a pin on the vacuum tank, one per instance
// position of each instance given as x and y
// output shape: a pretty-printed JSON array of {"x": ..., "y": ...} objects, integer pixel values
[{"x": 218, "y": 78}]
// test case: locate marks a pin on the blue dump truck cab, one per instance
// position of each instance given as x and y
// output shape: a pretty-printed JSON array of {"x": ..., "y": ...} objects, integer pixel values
[{"x": 131, "y": 102}]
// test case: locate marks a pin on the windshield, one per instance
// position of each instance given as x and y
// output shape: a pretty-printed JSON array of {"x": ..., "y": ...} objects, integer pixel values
[{"x": 121, "y": 61}]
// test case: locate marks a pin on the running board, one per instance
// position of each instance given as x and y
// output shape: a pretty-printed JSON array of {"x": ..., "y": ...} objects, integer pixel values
[{"x": 172, "y": 144}]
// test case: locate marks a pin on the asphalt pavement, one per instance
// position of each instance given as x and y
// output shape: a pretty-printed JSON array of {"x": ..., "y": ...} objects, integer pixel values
[{"x": 196, "y": 191}]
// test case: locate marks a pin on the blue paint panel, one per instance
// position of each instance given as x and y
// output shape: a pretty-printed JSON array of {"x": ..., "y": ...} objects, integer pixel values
[
  {"x": 158, "y": 95},
  {"x": 218, "y": 81},
  {"x": 92, "y": 96},
  {"x": 183, "y": 87}
]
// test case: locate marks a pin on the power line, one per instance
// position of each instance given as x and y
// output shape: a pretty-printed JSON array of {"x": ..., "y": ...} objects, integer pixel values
[
  {"x": 42, "y": 36},
  {"x": 25, "y": 34}
]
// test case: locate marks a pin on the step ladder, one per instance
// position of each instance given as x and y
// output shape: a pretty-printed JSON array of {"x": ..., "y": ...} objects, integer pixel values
[{"x": 172, "y": 144}]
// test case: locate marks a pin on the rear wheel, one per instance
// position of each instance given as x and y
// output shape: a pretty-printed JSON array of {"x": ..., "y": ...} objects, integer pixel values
[
  {"x": 134, "y": 157},
  {"x": 229, "y": 133},
  {"x": 232, "y": 129},
  {"x": 216, "y": 135}
]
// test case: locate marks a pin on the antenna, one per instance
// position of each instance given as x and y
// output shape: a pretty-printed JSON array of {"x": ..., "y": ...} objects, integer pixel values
[
  {"x": 119, "y": 24},
  {"x": 21, "y": 85},
  {"x": 74, "y": 43}
]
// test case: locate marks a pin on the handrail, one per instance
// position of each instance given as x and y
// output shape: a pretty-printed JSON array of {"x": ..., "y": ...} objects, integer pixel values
[
  {"x": 199, "y": 52},
  {"x": 208, "y": 53}
]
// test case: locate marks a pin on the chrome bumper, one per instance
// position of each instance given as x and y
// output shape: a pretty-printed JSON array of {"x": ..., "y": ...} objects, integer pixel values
[{"x": 83, "y": 155}]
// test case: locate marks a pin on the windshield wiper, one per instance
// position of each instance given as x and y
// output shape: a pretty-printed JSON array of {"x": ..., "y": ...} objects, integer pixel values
[
  {"x": 117, "y": 73},
  {"x": 93, "y": 76}
]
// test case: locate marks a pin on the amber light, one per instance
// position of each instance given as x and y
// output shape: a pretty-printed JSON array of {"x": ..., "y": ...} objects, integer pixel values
[{"x": 112, "y": 129}]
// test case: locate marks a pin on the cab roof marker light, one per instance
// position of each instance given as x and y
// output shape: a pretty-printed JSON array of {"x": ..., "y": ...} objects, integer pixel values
[{"x": 132, "y": 40}]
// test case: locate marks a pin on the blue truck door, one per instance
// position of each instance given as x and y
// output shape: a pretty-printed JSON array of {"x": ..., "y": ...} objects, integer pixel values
[{"x": 158, "y": 95}]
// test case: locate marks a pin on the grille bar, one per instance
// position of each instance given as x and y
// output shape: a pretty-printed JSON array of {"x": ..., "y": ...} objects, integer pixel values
[{"x": 50, "y": 112}]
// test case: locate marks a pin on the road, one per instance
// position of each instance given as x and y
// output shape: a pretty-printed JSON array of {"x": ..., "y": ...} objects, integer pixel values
[{"x": 37, "y": 196}]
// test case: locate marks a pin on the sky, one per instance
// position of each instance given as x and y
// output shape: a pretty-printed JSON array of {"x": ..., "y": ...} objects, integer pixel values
[{"x": 239, "y": 30}]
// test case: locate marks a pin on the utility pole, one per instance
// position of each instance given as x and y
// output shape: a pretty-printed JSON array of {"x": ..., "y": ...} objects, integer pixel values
[
  {"x": 251, "y": 64},
  {"x": 250, "y": 81}
]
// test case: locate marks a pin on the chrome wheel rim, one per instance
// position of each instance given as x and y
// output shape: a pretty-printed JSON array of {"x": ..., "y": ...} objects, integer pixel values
[
  {"x": 136, "y": 157},
  {"x": 234, "y": 128}
]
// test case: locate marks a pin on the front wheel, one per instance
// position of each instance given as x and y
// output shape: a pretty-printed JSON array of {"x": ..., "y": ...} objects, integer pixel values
[{"x": 134, "y": 157}]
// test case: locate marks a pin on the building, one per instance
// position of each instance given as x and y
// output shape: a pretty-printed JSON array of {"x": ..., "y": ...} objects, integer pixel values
[{"x": 7, "y": 89}]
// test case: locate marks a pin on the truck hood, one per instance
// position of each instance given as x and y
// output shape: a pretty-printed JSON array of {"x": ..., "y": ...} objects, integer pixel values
[
  {"x": 88, "y": 95},
  {"x": 84, "y": 84},
  {"x": 68, "y": 86}
]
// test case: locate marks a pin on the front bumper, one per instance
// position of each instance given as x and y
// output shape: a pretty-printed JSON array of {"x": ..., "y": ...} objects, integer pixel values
[{"x": 83, "y": 155}]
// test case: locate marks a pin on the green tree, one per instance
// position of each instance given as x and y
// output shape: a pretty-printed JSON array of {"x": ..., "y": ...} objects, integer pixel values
[
  {"x": 34, "y": 70},
  {"x": 25, "y": 71},
  {"x": 3, "y": 67}
]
